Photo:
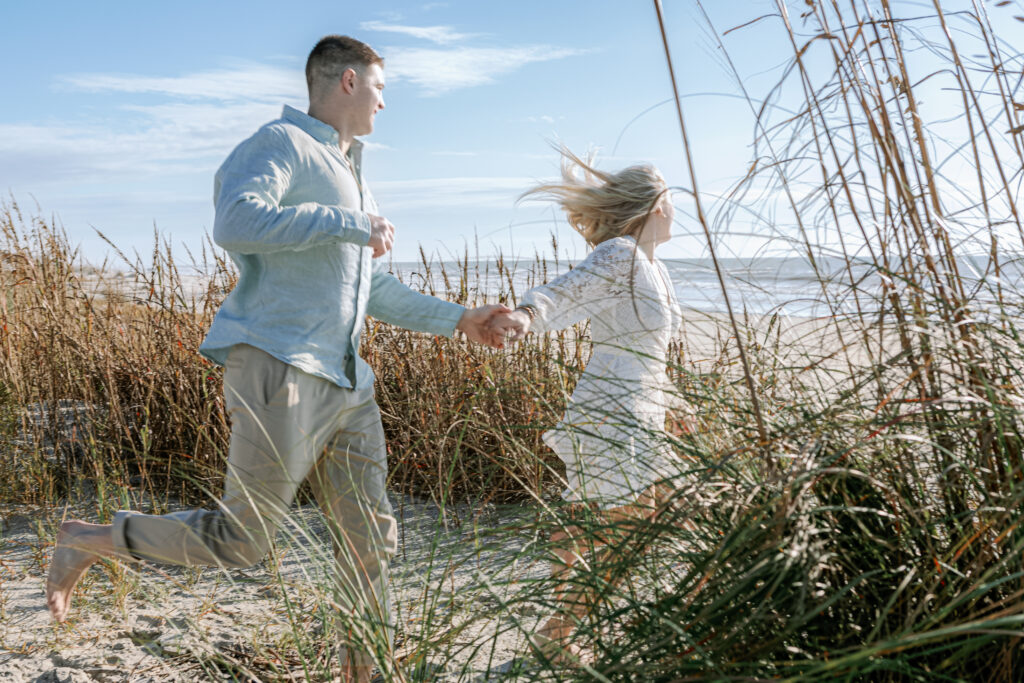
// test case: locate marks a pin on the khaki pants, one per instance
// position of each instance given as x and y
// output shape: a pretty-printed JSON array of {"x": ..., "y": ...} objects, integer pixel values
[{"x": 287, "y": 426}]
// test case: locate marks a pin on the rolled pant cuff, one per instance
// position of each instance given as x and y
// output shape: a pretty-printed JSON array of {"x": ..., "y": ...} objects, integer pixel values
[{"x": 118, "y": 532}]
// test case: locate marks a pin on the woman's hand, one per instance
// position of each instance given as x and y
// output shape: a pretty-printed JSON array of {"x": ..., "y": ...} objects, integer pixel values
[
  {"x": 512, "y": 326},
  {"x": 477, "y": 325}
]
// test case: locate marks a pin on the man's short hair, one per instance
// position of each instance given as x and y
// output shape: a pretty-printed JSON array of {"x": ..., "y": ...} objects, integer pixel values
[{"x": 332, "y": 55}]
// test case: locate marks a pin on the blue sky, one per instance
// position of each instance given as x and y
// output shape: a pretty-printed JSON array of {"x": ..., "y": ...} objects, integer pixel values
[{"x": 118, "y": 113}]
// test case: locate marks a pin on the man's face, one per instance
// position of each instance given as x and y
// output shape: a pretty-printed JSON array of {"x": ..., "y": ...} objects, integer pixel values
[{"x": 367, "y": 99}]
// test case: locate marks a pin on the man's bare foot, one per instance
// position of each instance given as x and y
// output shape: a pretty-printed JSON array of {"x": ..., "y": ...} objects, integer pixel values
[{"x": 79, "y": 545}]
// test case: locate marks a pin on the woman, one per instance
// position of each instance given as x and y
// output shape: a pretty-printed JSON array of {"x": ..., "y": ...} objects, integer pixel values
[{"x": 612, "y": 437}]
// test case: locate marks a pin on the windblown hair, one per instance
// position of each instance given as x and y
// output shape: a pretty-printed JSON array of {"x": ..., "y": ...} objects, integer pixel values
[
  {"x": 602, "y": 205},
  {"x": 332, "y": 55}
]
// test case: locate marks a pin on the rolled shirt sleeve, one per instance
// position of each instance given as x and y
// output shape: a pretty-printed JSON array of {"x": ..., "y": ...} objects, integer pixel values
[{"x": 251, "y": 216}]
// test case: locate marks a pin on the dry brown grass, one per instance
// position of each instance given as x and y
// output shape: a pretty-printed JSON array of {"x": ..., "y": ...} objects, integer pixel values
[
  {"x": 120, "y": 342},
  {"x": 854, "y": 508}
]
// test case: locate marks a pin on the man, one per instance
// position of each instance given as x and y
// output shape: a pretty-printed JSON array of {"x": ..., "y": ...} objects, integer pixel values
[{"x": 293, "y": 212}]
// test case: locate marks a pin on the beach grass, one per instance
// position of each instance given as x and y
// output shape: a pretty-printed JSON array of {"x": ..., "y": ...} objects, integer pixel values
[{"x": 847, "y": 508}]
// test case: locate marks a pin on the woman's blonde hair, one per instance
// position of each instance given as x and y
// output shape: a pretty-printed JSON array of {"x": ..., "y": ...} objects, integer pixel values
[{"x": 601, "y": 205}]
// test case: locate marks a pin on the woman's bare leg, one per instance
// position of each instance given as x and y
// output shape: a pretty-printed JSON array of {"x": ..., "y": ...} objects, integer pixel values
[
  {"x": 574, "y": 604},
  {"x": 567, "y": 552}
]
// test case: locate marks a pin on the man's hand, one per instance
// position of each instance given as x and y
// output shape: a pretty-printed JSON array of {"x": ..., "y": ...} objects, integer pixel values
[
  {"x": 476, "y": 325},
  {"x": 382, "y": 235},
  {"x": 512, "y": 325}
]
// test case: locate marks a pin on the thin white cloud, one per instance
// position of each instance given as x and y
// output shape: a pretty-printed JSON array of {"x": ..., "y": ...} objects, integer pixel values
[
  {"x": 192, "y": 132},
  {"x": 40, "y": 156},
  {"x": 187, "y": 123},
  {"x": 254, "y": 82},
  {"x": 499, "y": 192},
  {"x": 437, "y": 71},
  {"x": 371, "y": 146},
  {"x": 544, "y": 118},
  {"x": 442, "y": 35},
  {"x": 172, "y": 124}
]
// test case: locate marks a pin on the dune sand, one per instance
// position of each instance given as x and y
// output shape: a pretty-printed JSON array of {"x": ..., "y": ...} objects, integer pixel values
[{"x": 452, "y": 573}]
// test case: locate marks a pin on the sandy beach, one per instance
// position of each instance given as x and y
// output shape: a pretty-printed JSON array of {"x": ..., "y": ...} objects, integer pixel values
[
  {"x": 458, "y": 578},
  {"x": 148, "y": 623},
  {"x": 832, "y": 192}
]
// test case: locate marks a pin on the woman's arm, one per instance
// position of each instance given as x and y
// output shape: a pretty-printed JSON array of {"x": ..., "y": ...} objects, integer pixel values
[{"x": 595, "y": 285}]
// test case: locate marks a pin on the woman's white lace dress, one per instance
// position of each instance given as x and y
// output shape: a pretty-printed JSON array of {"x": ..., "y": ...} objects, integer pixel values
[{"x": 612, "y": 437}]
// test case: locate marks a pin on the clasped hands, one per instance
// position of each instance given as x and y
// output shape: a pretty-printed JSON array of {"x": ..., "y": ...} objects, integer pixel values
[
  {"x": 491, "y": 324},
  {"x": 494, "y": 324}
]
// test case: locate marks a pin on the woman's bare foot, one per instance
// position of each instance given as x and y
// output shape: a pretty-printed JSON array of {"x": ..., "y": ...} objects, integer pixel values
[
  {"x": 554, "y": 641},
  {"x": 79, "y": 545},
  {"x": 557, "y": 627},
  {"x": 357, "y": 674}
]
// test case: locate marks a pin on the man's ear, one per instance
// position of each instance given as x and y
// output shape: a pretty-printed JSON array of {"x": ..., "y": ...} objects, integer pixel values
[{"x": 348, "y": 80}]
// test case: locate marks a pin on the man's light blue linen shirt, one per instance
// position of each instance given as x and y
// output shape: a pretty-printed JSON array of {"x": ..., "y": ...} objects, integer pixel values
[{"x": 287, "y": 215}]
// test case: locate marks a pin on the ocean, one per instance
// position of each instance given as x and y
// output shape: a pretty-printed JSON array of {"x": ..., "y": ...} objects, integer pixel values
[{"x": 765, "y": 285}]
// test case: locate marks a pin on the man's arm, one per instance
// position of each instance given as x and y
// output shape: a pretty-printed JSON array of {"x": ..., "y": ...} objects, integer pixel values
[
  {"x": 395, "y": 303},
  {"x": 249, "y": 216}
]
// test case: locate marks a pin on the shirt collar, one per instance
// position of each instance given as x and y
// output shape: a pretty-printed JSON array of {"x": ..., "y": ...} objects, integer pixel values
[
  {"x": 315, "y": 127},
  {"x": 321, "y": 131},
  {"x": 355, "y": 153}
]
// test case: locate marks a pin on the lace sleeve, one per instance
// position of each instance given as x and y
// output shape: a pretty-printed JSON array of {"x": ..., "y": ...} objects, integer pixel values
[{"x": 595, "y": 285}]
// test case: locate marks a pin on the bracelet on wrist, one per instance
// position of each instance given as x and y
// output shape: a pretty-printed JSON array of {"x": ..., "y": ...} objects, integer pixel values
[{"x": 528, "y": 309}]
